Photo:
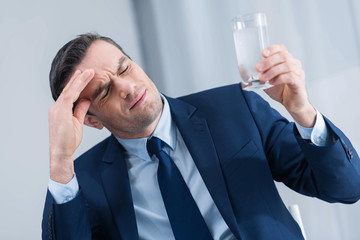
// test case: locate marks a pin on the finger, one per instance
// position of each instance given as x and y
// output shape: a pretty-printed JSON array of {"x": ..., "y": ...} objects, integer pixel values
[
  {"x": 73, "y": 77},
  {"x": 272, "y": 60},
  {"x": 282, "y": 68},
  {"x": 77, "y": 78},
  {"x": 81, "y": 109},
  {"x": 80, "y": 83},
  {"x": 72, "y": 93},
  {"x": 286, "y": 78},
  {"x": 273, "y": 49}
]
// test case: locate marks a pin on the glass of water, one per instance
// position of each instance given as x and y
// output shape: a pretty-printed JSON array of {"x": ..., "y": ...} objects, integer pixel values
[{"x": 251, "y": 37}]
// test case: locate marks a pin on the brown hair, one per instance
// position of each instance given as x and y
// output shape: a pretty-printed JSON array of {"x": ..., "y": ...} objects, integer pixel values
[{"x": 69, "y": 56}]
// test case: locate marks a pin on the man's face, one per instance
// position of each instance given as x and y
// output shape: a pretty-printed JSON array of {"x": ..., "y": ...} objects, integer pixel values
[{"x": 123, "y": 98}]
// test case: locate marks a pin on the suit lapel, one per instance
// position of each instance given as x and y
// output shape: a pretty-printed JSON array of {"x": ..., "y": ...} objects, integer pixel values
[
  {"x": 116, "y": 184},
  {"x": 197, "y": 137}
]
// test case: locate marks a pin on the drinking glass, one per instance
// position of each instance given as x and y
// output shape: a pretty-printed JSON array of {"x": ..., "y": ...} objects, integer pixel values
[{"x": 251, "y": 37}]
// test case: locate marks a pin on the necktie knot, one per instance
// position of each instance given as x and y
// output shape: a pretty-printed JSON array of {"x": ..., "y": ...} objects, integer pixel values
[{"x": 154, "y": 145}]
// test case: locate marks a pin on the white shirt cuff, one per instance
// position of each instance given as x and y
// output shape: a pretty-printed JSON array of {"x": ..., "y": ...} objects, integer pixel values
[
  {"x": 318, "y": 134},
  {"x": 63, "y": 193}
]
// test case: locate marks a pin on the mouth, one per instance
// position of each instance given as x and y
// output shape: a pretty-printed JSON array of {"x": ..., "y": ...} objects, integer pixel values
[{"x": 138, "y": 100}]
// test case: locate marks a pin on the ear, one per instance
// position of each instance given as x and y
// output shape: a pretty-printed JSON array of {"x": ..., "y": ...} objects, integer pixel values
[{"x": 93, "y": 121}]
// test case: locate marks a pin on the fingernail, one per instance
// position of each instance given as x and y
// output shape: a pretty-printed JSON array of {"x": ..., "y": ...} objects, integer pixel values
[
  {"x": 260, "y": 66},
  {"x": 266, "y": 52},
  {"x": 88, "y": 72}
]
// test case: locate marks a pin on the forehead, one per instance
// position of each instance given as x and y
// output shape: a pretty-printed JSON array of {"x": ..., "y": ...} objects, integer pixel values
[
  {"x": 103, "y": 58},
  {"x": 101, "y": 55}
]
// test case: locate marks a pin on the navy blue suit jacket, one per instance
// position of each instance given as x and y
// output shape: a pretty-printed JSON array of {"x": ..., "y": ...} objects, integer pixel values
[{"x": 239, "y": 145}]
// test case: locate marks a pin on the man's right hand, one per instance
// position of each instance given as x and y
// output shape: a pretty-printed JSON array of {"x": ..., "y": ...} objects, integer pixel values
[{"x": 66, "y": 126}]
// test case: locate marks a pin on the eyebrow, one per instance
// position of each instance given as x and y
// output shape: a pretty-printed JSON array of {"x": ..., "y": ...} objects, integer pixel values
[
  {"x": 106, "y": 85},
  {"x": 121, "y": 62}
]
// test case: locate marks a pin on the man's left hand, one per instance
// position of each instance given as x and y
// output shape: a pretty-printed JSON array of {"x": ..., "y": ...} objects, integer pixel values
[{"x": 285, "y": 72}]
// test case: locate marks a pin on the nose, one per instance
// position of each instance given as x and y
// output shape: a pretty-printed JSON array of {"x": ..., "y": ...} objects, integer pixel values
[{"x": 125, "y": 87}]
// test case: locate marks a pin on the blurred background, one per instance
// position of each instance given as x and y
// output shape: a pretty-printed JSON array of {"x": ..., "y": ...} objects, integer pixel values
[{"x": 185, "y": 46}]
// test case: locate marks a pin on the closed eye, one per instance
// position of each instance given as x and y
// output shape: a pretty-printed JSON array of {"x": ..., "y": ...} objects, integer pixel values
[
  {"x": 122, "y": 72},
  {"x": 107, "y": 92}
]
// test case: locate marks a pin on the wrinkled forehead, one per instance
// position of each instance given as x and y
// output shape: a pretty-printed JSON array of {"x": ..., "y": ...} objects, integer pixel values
[{"x": 101, "y": 56}]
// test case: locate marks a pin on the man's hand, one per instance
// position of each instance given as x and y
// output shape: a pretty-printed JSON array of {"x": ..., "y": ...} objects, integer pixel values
[
  {"x": 66, "y": 127},
  {"x": 285, "y": 72}
]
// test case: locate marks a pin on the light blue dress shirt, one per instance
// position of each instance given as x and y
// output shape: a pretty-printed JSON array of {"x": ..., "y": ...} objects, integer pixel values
[{"x": 151, "y": 217}]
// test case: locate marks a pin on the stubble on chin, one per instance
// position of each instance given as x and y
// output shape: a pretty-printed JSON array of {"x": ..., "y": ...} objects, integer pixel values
[
  {"x": 150, "y": 115},
  {"x": 144, "y": 123}
]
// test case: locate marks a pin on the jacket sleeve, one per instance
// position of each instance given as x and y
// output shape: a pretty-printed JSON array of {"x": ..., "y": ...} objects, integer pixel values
[
  {"x": 65, "y": 221},
  {"x": 331, "y": 173}
]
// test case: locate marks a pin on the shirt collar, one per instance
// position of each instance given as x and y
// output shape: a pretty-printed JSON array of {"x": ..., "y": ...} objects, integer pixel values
[{"x": 165, "y": 130}]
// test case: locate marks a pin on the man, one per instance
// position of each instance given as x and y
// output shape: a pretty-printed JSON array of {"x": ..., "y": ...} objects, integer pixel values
[{"x": 227, "y": 145}]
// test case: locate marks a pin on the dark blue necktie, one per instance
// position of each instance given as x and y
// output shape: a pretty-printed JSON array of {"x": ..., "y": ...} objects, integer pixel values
[{"x": 185, "y": 218}]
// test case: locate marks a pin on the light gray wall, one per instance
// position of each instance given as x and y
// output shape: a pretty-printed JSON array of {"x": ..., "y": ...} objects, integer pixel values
[{"x": 31, "y": 32}]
